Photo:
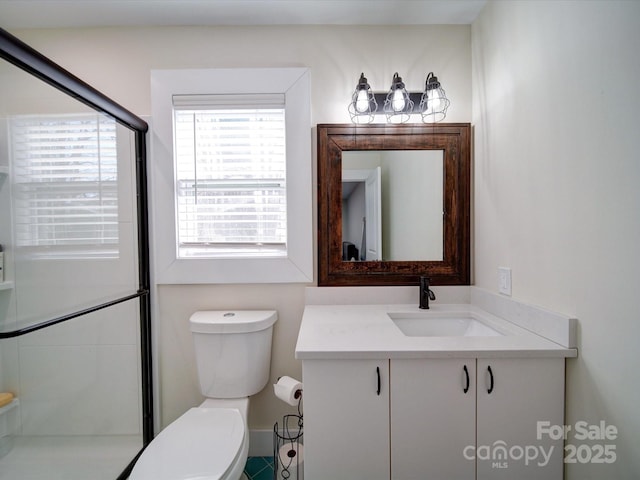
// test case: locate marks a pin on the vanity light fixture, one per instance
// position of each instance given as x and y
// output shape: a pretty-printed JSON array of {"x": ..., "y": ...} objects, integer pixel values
[
  {"x": 399, "y": 104},
  {"x": 363, "y": 104},
  {"x": 434, "y": 102}
]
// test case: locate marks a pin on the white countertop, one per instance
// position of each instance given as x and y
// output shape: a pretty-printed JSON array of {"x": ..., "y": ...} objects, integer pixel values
[{"x": 367, "y": 332}]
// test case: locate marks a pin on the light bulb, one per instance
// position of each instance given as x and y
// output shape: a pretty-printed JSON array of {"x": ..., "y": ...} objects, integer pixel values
[
  {"x": 434, "y": 100},
  {"x": 362, "y": 101},
  {"x": 398, "y": 101}
]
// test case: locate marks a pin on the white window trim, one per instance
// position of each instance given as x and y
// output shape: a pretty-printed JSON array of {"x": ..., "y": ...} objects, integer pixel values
[{"x": 297, "y": 266}]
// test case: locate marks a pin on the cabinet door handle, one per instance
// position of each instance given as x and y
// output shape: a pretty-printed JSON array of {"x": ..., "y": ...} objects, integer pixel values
[
  {"x": 466, "y": 374},
  {"x": 490, "y": 389},
  {"x": 379, "y": 384}
]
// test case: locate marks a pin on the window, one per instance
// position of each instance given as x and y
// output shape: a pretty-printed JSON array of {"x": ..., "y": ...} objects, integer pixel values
[
  {"x": 65, "y": 172},
  {"x": 231, "y": 176},
  {"x": 230, "y": 157}
]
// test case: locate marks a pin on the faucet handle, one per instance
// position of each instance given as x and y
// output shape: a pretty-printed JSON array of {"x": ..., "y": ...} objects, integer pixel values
[
  {"x": 425, "y": 287},
  {"x": 426, "y": 293}
]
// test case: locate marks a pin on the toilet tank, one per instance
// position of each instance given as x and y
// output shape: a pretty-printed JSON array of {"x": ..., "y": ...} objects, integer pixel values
[{"x": 233, "y": 351}]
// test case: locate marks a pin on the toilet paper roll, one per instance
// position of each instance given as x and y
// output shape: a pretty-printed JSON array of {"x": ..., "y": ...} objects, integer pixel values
[
  {"x": 291, "y": 461},
  {"x": 288, "y": 390}
]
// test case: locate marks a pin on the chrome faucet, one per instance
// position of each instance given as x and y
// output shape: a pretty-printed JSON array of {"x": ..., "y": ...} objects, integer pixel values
[{"x": 426, "y": 293}]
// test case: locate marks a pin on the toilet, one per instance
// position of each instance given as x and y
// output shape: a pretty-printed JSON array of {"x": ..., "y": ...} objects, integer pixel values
[{"x": 211, "y": 442}]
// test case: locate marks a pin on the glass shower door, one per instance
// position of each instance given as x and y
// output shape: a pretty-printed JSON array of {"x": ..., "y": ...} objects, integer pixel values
[{"x": 74, "y": 339}]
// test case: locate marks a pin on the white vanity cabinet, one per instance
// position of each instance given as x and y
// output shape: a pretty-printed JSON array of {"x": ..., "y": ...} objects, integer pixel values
[
  {"x": 346, "y": 419},
  {"x": 525, "y": 391},
  {"x": 440, "y": 418},
  {"x": 433, "y": 419},
  {"x": 476, "y": 419}
]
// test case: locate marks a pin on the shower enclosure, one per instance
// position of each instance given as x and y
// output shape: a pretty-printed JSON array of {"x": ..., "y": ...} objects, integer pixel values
[{"x": 75, "y": 356}]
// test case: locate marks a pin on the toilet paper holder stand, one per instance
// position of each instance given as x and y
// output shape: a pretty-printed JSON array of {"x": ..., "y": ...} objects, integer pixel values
[{"x": 287, "y": 443}]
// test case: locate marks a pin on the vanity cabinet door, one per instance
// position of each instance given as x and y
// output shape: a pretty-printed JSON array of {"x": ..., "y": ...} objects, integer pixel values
[
  {"x": 346, "y": 419},
  {"x": 513, "y": 396},
  {"x": 433, "y": 418}
]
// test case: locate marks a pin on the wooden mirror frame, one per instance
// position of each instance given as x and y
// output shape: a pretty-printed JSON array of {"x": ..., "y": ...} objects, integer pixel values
[{"x": 454, "y": 139}]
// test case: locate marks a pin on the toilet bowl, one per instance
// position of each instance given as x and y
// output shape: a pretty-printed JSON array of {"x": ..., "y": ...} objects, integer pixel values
[{"x": 211, "y": 442}]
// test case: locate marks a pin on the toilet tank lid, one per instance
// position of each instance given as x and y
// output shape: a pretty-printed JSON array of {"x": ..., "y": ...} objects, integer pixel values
[{"x": 232, "y": 321}]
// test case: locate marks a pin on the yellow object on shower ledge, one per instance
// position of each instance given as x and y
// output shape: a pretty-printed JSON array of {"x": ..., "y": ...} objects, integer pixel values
[{"x": 5, "y": 399}]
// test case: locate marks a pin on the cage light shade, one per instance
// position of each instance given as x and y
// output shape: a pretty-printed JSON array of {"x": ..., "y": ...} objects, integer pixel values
[
  {"x": 434, "y": 102},
  {"x": 398, "y": 104},
  {"x": 363, "y": 104}
]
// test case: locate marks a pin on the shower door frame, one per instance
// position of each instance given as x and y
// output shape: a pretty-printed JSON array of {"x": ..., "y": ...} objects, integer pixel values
[{"x": 28, "y": 59}]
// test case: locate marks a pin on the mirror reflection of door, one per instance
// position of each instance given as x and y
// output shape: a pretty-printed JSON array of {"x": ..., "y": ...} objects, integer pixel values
[{"x": 362, "y": 214}]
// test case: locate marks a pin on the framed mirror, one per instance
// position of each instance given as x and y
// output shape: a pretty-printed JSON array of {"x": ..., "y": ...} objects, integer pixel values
[{"x": 393, "y": 204}]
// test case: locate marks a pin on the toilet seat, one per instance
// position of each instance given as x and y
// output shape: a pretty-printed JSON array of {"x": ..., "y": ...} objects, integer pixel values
[{"x": 203, "y": 444}]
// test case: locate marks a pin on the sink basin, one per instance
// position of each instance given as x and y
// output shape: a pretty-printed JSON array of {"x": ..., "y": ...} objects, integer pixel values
[{"x": 441, "y": 324}]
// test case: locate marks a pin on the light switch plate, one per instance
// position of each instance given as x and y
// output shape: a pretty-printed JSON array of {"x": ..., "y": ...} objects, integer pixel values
[{"x": 504, "y": 280}]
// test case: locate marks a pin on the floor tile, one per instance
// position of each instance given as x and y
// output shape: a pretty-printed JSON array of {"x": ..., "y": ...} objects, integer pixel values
[{"x": 259, "y": 468}]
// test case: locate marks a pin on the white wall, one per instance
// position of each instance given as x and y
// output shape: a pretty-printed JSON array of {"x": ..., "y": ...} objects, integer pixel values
[
  {"x": 555, "y": 110},
  {"x": 118, "y": 62}
]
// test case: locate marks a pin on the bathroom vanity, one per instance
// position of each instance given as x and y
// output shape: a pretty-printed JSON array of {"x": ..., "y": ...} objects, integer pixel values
[{"x": 453, "y": 392}]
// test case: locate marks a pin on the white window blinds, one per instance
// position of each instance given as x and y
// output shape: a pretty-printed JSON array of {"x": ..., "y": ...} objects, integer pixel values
[
  {"x": 230, "y": 157},
  {"x": 65, "y": 183}
]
